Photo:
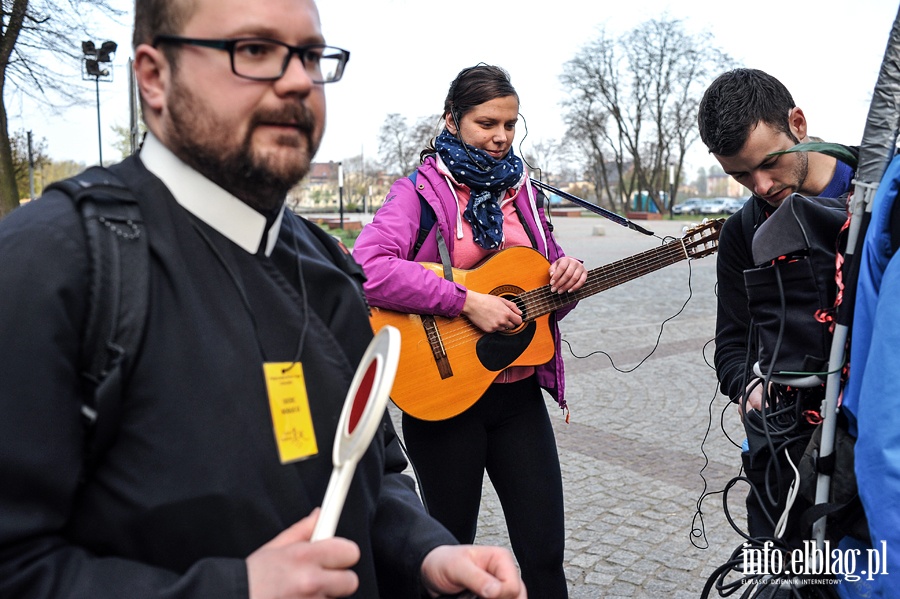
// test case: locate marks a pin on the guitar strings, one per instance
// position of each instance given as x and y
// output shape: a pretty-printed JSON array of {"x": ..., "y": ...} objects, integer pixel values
[
  {"x": 633, "y": 267},
  {"x": 542, "y": 301}
]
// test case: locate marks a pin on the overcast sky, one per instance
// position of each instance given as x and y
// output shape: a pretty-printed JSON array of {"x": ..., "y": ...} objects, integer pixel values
[{"x": 404, "y": 53}]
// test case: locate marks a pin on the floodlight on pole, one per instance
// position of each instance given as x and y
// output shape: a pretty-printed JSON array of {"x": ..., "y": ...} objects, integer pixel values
[
  {"x": 107, "y": 49},
  {"x": 93, "y": 69},
  {"x": 98, "y": 65}
]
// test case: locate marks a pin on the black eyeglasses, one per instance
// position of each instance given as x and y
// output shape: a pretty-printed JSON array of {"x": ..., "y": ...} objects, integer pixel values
[{"x": 262, "y": 59}]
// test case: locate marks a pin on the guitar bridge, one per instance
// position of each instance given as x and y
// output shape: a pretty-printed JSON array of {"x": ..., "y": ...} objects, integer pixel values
[{"x": 437, "y": 346}]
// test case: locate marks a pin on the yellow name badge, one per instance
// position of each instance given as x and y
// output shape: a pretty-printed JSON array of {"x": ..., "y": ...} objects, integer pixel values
[{"x": 289, "y": 405}]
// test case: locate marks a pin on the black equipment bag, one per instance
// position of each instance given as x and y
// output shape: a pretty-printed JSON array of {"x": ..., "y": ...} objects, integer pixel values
[{"x": 794, "y": 285}]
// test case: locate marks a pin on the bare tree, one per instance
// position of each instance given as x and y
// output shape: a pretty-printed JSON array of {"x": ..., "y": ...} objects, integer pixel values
[
  {"x": 361, "y": 182},
  {"x": 34, "y": 36},
  {"x": 542, "y": 156},
  {"x": 399, "y": 144},
  {"x": 603, "y": 164},
  {"x": 633, "y": 106},
  {"x": 22, "y": 159}
]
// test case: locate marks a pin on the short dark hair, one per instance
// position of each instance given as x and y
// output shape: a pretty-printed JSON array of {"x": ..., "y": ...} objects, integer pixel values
[
  {"x": 735, "y": 102},
  {"x": 471, "y": 87},
  {"x": 160, "y": 17}
]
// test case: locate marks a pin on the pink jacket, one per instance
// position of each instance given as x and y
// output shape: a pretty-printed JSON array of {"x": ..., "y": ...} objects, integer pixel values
[{"x": 396, "y": 282}]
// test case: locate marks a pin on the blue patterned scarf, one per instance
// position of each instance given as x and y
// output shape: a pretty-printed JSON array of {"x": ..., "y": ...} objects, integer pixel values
[{"x": 488, "y": 179}]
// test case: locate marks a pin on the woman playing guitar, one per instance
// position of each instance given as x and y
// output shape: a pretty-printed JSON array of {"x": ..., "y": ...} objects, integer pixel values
[{"x": 483, "y": 203}]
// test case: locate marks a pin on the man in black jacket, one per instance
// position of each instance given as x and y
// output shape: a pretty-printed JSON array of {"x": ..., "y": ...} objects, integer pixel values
[
  {"x": 194, "y": 497},
  {"x": 745, "y": 116}
]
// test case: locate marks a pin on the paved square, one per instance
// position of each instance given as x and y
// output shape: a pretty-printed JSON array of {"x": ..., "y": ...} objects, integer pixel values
[{"x": 645, "y": 439}]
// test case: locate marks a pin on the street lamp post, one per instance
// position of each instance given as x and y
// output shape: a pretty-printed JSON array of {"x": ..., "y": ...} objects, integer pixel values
[
  {"x": 341, "y": 192},
  {"x": 134, "y": 133},
  {"x": 672, "y": 189},
  {"x": 98, "y": 65},
  {"x": 30, "y": 169}
]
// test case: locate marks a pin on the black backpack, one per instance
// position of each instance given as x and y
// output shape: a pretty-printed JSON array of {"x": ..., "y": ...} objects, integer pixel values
[{"x": 118, "y": 297}]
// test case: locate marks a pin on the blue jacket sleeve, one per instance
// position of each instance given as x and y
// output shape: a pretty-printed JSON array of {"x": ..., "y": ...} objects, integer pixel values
[{"x": 877, "y": 454}]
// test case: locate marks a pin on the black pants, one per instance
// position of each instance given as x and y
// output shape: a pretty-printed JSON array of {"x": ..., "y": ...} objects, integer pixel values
[
  {"x": 507, "y": 432},
  {"x": 767, "y": 466},
  {"x": 761, "y": 512}
]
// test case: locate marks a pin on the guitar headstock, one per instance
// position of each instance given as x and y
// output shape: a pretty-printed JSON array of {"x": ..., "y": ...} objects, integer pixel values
[{"x": 703, "y": 239}]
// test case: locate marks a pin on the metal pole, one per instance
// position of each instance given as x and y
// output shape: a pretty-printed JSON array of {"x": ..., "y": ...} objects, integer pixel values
[
  {"x": 30, "y": 169},
  {"x": 341, "y": 192},
  {"x": 99, "y": 137},
  {"x": 592, "y": 207},
  {"x": 134, "y": 131},
  {"x": 671, "y": 189}
]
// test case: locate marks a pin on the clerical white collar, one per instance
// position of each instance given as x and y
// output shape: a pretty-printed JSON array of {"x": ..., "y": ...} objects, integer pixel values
[{"x": 207, "y": 201}]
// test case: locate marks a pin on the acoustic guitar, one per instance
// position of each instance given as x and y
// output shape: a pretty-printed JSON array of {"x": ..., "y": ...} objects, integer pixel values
[{"x": 446, "y": 364}]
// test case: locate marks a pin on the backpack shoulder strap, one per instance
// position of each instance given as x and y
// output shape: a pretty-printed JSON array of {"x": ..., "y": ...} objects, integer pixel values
[
  {"x": 525, "y": 226},
  {"x": 427, "y": 217},
  {"x": 749, "y": 221},
  {"x": 118, "y": 296},
  {"x": 427, "y": 221}
]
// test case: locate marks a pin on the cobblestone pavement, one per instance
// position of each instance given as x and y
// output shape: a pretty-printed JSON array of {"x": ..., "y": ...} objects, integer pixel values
[{"x": 645, "y": 439}]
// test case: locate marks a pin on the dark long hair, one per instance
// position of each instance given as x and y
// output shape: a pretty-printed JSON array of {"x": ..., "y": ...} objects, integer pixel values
[{"x": 473, "y": 86}]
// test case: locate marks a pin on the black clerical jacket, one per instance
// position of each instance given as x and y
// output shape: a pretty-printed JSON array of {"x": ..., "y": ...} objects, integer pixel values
[{"x": 192, "y": 483}]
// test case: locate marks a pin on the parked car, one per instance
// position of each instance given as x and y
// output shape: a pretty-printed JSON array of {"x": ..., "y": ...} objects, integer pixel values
[
  {"x": 733, "y": 205},
  {"x": 714, "y": 206},
  {"x": 689, "y": 206}
]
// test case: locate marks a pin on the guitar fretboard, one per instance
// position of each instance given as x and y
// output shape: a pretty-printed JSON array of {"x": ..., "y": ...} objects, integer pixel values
[{"x": 541, "y": 301}]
